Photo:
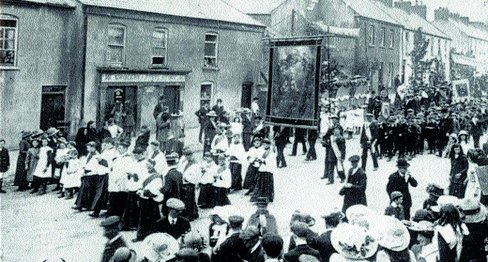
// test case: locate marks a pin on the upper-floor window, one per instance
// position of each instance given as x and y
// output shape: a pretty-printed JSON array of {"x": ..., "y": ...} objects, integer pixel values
[
  {"x": 8, "y": 41},
  {"x": 210, "y": 51},
  {"x": 159, "y": 47},
  {"x": 392, "y": 38},
  {"x": 371, "y": 35},
  {"x": 116, "y": 44},
  {"x": 382, "y": 36}
]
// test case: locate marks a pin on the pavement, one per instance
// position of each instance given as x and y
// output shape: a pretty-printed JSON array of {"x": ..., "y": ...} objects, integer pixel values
[{"x": 36, "y": 227}]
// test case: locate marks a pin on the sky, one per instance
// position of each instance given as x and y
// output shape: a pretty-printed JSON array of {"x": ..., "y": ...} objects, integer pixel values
[{"x": 476, "y": 10}]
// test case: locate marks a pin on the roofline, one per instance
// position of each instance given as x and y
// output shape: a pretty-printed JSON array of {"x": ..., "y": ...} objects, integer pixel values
[
  {"x": 259, "y": 25},
  {"x": 29, "y": 3},
  {"x": 429, "y": 34},
  {"x": 256, "y": 21},
  {"x": 143, "y": 70},
  {"x": 369, "y": 18}
]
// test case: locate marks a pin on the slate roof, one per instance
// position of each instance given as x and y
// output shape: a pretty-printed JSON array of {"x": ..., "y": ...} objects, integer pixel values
[
  {"x": 368, "y": 9},
  {"x": 260, "y": 7},
  {"x": 470, "y": 30},
  {"x": 216, "y": 10}
]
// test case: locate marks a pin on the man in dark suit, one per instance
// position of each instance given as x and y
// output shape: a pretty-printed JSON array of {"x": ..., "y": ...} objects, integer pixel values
[
  {"x": 299, "y": 230},
  {"x": 399, "y": 181},
  {"x": 335, "y": 148},
  {"x": 218, "y": 108},
  {"x": 173, "y": 181},
  {"x": 173, "y": 224},
  {"x": 299, "y": 138},
  {"x": 476, "y": 131},
  {"x": 369, "y": 138},
  {"x": 233, "y": 249},
  {"x": 115, "y": 240},
  {"x": 202, "y": 119},
  {"x": 354, "y": 191},
  {"x": 323, "y": 243},
  {"x": 313, "y": 134}
]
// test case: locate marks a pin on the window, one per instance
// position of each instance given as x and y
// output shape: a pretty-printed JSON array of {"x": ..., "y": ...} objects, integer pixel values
[
  {"x": 371, "y": 35},
  {"x": 159, "y": 51},
  {"x": 116, "y": 44},
  {"x": 206, "y": 93},
  {"x": 392, "y": 38},
  {"x": 382, "y": 36},
  {"x": 8, "y": 41},
  {"x": 210, "y": 51}
]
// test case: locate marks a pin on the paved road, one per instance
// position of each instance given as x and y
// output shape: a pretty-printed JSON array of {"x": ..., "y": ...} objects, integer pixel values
[{"x": 35, "y": 227}]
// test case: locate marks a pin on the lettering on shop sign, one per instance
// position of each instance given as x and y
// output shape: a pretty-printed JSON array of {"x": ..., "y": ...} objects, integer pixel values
[{"x": 138, "y": 78}]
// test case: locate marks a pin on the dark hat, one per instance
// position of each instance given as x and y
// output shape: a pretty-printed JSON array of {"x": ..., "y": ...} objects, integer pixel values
[
  {"x": 92, "y": 144},
  {"x": 155, "y": 143},
  {"x": 395, "y": 195},
  {"x": 175, "y": 203},
  {"x": 300, "y": 229},
  {"x": 112, "y": 221},
  {"x": 108, "y": 140},
  {"x": 402, "y": 162},
  {"x": 435, "y": 190},
  {"x": 138, "y": 150},
  {"x": 172, "y": 156},
  {"x": 26, "y": 134},
  {"x": 123, "y": 254},
  {"x": 423, "y": 214},
  {"x": 125, "y": 144},
  {"x": 235, "y": 221},
  {"x": 354, "y": 158},
  {"x": 272, "y": 244},
  {"x": 262, "y": 201}
]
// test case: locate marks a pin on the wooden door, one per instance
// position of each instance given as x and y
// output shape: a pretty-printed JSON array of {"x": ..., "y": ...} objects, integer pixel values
[
  {"x": 52, "y": 110},
  {"x": 172, "y": 95}
]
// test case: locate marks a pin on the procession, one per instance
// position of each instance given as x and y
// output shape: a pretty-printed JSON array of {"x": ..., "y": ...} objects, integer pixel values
[{"x": 360, "y": 135}]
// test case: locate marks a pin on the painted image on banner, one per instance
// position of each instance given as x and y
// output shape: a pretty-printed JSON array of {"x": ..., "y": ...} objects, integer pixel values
[{"x": 293, "y": 82}]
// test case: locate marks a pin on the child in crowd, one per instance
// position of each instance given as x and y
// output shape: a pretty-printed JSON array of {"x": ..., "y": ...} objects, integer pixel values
[{"x": 395, "y": 208}]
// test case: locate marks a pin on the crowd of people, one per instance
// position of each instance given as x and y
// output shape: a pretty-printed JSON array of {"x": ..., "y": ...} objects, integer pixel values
[{"x": 157, "y": 187}]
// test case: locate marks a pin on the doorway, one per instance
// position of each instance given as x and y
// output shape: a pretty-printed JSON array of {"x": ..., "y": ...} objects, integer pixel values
[
  {"x": 121, "y": 104},
  {"x": 53, "y": 107},
  {"x": 172, "y": 96},
  {"x": 246, "y": 97}
]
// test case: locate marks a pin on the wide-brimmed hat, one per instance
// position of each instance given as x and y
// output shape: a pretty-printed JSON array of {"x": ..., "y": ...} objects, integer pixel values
[
  {"x": 37, "y": 133},
  {"x": 473, "y": 211},
  {"x": 435, "y": 190},
  {"x": 26, "y": 134},
  {"x": 52, "y": 131},
  {"x": 212, "y": 114},
  {"x": 353, "y": 241},
  {"x": 402, "y": 162},
  {"x": 463, "y": 133},
  {"x": 353, "y": 213},
  {"x": 159, "y": 246},
  {"x": 446, "y": 200},
  {"x": 422, "y": 226},
  {"x": 390, "y": 232}
]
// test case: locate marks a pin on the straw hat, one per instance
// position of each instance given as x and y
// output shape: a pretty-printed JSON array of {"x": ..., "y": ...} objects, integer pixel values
[
  {"x": 445, "y": 200},
  {"x": 353, "y": 213},
  {"x": 159, "y": 246},
  {"x": 390, "y": 232},
  {"x": 473, "y": 211},
  {"x": 422, "y": 226},
  {"x": 211, "y": 114},
  {"x": 353, "y": 241}
]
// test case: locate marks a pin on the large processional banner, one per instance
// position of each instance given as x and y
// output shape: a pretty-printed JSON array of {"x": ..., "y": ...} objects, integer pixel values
[
  {"x": 482, "y": 172},
  {"x": 294, "y": 79}
]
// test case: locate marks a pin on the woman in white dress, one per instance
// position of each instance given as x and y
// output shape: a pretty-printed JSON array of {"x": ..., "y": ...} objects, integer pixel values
[
  {"x": 44, "y": 165},
  {"x": 71, "y": 174}
]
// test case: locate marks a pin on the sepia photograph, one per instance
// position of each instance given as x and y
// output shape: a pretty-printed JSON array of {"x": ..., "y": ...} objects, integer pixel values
[{"x": 243, "y": 130}]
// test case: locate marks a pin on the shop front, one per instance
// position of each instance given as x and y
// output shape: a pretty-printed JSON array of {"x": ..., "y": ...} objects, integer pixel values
[{"x": 130, "y": 96}]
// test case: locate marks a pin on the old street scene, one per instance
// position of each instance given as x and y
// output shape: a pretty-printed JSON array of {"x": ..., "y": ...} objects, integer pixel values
[{"x": 243, "y": 130}]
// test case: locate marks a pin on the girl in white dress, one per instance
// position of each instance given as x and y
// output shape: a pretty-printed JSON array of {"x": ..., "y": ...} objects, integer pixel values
[
  {"x": 44, "y": 165},
  {"x": 71, "y": 174}
]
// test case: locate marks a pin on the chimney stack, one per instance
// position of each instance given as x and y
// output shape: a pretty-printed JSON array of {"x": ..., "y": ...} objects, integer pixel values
[
  {"x": 419, "y": 9},
  {"x": 442, "y": 13}
]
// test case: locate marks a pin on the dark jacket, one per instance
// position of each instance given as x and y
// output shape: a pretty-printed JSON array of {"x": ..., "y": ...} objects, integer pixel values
[
  {"x": 294, "y": 254},
  {"x": 110, "y": 248},
  {"x": 357, "y": 193},
  {"x": 397, "y": 212},
  {"x": 202, "y": 115},
  {"x": 177, "y": 230},
  {"x": 233, "y": 249},
  {"x": 142, "y": 140},
  {"x": 476, "y": 130},
  {"x": 474, "y": 243},
  {"x": 300, "y": 134},
  {"x": 374, "y": 134},
  {"x": 323, "y": 244},
  {"x": 173, "y": 182},
  {"x": 4, "y": 160},
  {"x": 396, "y": 182}
]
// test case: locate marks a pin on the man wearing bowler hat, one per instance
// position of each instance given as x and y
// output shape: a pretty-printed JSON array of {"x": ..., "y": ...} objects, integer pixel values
[{"x": 399, "y": 181}]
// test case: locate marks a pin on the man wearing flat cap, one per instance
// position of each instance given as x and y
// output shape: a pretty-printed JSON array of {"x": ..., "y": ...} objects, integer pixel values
[
  {"x": 111, "y": 226},
  {"x": 233, "y": 249},
  {"x": 300, "y": 232},
  {"x": 323, "y": 242},
  {"x": 400, "y": 181},
  {"x": 173, "y": 224},
  {"x": 354, "y": 191}
]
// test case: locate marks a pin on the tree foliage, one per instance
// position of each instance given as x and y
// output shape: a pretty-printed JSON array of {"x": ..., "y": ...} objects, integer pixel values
[{"x": 420, "y": 66}]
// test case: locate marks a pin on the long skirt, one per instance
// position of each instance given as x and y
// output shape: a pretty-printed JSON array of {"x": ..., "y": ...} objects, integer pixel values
[
  {"x": 116, "y": 203},
  {"x": 87, "y": 192},
  {"x": 20, "y": 172},
  {"x": 130, "y": 219},
  {"x": 101, "y": 194},
  {"x": 457, "y": 188},
  {"x": 188, "y": 197},
  {"x": 250, "y": 179},
  {"x": 206, "y": 194},
  {"x": 220, "y": 197},
  {"x": 148, "y": 215},
  {"x": 236, "y": 172},
  {"x": 264, "y": 186}
]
